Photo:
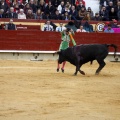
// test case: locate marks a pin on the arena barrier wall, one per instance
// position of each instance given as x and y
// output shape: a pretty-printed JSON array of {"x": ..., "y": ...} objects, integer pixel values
[
  {"x": 50, "y": 41},
  {"x": 24, "y": 40}
]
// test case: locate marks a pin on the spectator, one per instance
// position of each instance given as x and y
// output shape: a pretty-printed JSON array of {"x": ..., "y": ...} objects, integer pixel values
[
  {"x": 96, "y": 17},
  {"x": 10, "y": 25},
  {"x": 115, "y": 24},
  {"x": 104, "y": 3},
  {"x": 87, "y": 27},
  {"x": 21, "y": 15},
  {"x": 4, "y": 6},
  {"x": 47, "y": 16},
  {"x": 21, "y": 6},
  {"x": 41, "y": 5},
  {"x": 71, "y": 25},
  {"x": 77, "y": 23},
  {"x": 89, "y": 10},
  {"x": 115, "y": 2},
  {"x": 30, "y": 15},
  {"x": 73, "y": 13},
  {"x": 60, "y": 28},
  {"x": 18, "y": 2},
  {"x": 106, "y": 25},
  {"x": 68, "y": 4},
  {"x": 54, "y": 25},
  {"x": 12, "y": 14},
  {"x": 81, "y": 14},
  {"x": 118, "y": 15},
  {"x": 72, "y": 2},
  {"x": 117, "y": 7},
  {"x": 24, "y": 3},
  {"x": 66, "y": 16},
  {"x": 55, "y": 3},
  {"x": 50, "y": 8},
  {"x": 66, "y": 9},
  {"x": 16, "y": 8},
  {"x": 33, "y": 6},
  {"x": 9, "y": 3},
  {"x": 87, "y": 17},
  {"x": 109, "y": 29},
  {"x": 46, "y": 1},
  {"x": 57, "y": 16},
  {"x": 104, "y": 14},
  {"x": 101, "y": 3},
  {"x": 110, "y": 5},
  {"x": 77, "y": 2},
  {"x": 2, "y": 14},
  {"x": 81, "y": 29},
  {"x": 27, "y": 7},
  {"x": 39, "y": 14},
  {"x": 47, "y": 26},
  {"x": 112, "y": 14},
  {"x": 61, "y": 7},
  {"x": 80, "y": 6}
]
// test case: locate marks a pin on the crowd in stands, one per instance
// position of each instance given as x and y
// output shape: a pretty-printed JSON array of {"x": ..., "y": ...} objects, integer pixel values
[
  {"x": 76, "y": 26},
  {"x": 59, "y": 10}
]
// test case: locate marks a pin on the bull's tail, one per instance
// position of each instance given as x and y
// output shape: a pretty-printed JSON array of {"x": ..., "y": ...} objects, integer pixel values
[{"x": 114, "y": 46}]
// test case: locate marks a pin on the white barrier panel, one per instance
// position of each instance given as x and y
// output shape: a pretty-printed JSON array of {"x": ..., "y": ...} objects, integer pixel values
[{"x": 40, "y": 55}]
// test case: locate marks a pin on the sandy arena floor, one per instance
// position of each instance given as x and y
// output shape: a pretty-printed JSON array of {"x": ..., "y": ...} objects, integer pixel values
[{"x": 33, "y": 90}]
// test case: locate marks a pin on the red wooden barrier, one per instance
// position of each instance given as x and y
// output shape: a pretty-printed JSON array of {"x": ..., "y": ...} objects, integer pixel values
[
  {"x": 28, "y": 27},
  {"x": 50, "y": 41}
]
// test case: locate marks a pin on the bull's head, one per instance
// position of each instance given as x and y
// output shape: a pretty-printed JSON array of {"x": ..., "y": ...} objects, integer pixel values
[{"x": 61, "y": 57}]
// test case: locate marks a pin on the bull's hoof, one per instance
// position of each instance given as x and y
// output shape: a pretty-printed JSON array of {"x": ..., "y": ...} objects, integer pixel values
[
  {"x": 74, "y": 74},
  {"x": 62, "y": 70},
  {"x": 57, "y": 69},
  {"x": 96, "y": 73},
  {"x": 82, "y": 72}
]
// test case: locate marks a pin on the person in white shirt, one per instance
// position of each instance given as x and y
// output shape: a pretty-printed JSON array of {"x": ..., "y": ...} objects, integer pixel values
[
  {"x": 81, "y": 29},
  {"x": 61, "y": 7},
  {"x": 21, "y": 15},
  {"x": 60, "y": 28},
  {"x": 47, "y": 26}
]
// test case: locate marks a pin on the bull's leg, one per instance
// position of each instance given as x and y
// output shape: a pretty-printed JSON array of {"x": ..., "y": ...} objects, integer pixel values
[
  {"x": 76, "y": 71},
  {"x": 101, "y": 65},
  {"x": 82, "y": 72},
  {"x": 77, "y": 62}
]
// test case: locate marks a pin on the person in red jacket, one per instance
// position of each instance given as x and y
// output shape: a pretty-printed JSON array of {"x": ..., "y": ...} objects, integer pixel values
[
  {"x": 46, "y": 1},
  {"x": 77, "y": 2}
]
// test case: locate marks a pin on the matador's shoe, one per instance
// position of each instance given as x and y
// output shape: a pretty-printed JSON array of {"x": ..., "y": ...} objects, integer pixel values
[
  {"x": 57, "y": 69},
  {"x": 62, "y": 70}
]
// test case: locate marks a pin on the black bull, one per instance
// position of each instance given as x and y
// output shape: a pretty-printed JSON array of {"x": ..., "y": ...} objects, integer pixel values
[{"x": 81, "y": 54}]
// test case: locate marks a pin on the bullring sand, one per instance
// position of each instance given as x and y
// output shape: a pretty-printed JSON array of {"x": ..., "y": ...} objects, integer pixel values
[{"x": 33, "y": 90}]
